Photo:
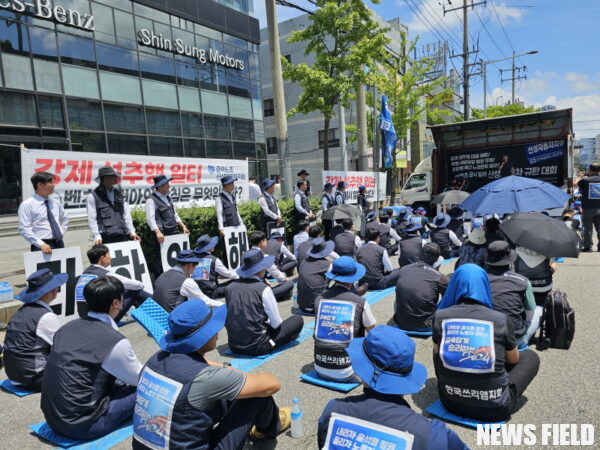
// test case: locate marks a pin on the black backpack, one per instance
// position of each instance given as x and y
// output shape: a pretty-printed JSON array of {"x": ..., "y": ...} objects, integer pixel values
[{"x": 558, "y": 322}]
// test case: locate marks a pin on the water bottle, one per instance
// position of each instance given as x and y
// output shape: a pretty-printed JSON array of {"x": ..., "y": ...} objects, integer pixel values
[
  {"x": 6, "y": 292},
  {"x": 297, "y": 429},
  {"x": 295, "y": 297}
]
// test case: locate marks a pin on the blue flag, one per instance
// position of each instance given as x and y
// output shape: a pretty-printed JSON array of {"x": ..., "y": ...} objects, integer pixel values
[{"x": 388, "y": 135}]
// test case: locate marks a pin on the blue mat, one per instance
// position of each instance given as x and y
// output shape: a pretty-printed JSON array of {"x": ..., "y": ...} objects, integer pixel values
[
  {"x": 438, "y": 410},
  {"x": 373, "y": 297},
  {"x": 418, "y": 333},
  {"x": 525, "y": 347},
  {"x": 559, "y": 260},
  {"x": 153, "y": 318},
  {"x": 444, "y": 262},
  {"x": 8, "y": 386},
  {"x": 302, "y": 313},
  {"x": 110, "y": 440},
  {"x": 313, "y": 378}
]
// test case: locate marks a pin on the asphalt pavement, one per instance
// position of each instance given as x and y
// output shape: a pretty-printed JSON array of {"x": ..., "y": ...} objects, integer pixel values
[{"x": 566, "y": 389}]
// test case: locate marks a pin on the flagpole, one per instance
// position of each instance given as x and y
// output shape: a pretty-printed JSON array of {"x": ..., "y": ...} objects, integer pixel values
[{"x": 376, "y": 132}]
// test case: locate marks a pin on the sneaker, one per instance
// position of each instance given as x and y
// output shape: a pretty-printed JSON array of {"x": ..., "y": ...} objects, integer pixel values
[
  {"x": 285, "y": 421},
  {"x": 586, "y": 250}
]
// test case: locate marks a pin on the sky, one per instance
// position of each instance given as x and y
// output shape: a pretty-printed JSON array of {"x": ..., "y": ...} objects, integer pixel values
[{"x": 565, "y": 72}]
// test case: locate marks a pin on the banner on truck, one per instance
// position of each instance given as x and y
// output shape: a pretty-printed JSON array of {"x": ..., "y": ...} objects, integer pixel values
[
  {"x": 356, "y": 179},
  {"x": 195, "y": 181}
]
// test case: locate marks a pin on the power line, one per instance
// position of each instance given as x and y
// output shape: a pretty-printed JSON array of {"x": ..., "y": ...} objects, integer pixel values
[
  {"x": 488, "y": 32},
  {"x": 503, "y": 29}
]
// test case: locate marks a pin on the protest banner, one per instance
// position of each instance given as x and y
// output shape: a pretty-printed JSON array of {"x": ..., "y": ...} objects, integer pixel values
[
  {"x": 63, "y": 260},
  {"x": 170, "y": 247},
  {"x": 196, "y": 182},
  {"x": 236, "y": 243},
  {"x": 356, "y": 179},
  {"x": 128, "y": 260}
]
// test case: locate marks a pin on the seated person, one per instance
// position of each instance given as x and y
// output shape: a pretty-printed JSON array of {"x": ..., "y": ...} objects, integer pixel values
[
  {"x": 347, "y": 242},
  {"x": 384, "y": 362},
  {"x": 312, "y": 281},
  {"x": 313, "y": 233},
  {"x": 380, "y": 274},
  {"x": 211, "y": 405},
  {"x": 336, "y": 229},
  {"x": 81, "y": 398},
  {"x": 341, "y": 315},
  {"x": 99, "y": 257},
  {"x": 31, "y": 329},
  {"x": 475, "y": 351},
  {"x": 571, "y": 221},
  {"x": 492, "y": 231},
  {"x": 206, "y": 274},
  {"x": 386, "y": 234},
  {"x": 457, "y": 223},
  {"x": 254, "y": 325},
  {"x": 473, "y": 251},
  {"x": 410, "y": 246},
  {"x": 301, "y": 236},
  {"x": 283, "y": 290},
  {"x": 176, "y": 285},
  {"x": 284, "y": 260},
  {"x": 418, "y": 290},
  {"x": 445, "y": 238}
]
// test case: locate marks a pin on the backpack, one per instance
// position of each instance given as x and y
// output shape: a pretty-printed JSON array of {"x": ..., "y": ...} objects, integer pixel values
[{"x": 558, "y": 322}]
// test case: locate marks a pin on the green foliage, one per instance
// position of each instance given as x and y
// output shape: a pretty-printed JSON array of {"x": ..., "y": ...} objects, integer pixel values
[{"x": 503, "y": 110}]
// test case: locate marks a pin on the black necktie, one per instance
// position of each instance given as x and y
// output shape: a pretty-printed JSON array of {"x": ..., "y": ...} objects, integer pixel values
[{"x": 56, "y": 233}]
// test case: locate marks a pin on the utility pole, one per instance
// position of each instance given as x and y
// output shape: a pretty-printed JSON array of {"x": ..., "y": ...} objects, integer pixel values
[
  {"x": 343, "y": 149},
  {"x": 515, "y": 70},
  {"x": 362, "y": 138},
  {"x": 279, "y": 100}
]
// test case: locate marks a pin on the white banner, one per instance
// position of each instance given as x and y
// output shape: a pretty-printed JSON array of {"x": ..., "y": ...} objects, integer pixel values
[
  {"x": 128, "y": 260},
  {"x": 236, "y": 243},
  {"x": 354, "y": 180},
  {"x": 170, "y": 247},
  {"x": 196, "y": 182},
  {"x": 63, "y": 260}
]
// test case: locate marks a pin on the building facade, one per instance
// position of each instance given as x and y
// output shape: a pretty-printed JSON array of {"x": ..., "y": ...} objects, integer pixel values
[{"x": 149, "y": 77}]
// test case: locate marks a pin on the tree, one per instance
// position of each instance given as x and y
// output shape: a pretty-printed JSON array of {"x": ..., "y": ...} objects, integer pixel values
[
  {"x": 503, "y": 110},
  {"x": 343, "y": 39}
]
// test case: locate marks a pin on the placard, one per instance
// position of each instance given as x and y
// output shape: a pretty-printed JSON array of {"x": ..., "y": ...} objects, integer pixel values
[
  {"x": 128, "y": 260},
  {"x": 335, "y": 321},
  {"x": 62, "y": 260},
  {"x": 468, "y": 345},
  {"x": 170, "y": 247},
  {"x": 236, "y": 244},
  {"x": 356, "y": 179}
]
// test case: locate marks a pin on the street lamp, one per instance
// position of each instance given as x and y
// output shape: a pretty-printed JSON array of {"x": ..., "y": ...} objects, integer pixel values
[{"x": 484, "y": 70}]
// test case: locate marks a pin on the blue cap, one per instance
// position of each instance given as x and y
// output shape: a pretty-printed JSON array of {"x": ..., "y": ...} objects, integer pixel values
[
  {"x": 346, "y": 270},
  {"x": 267, "y": 183},
  {"x": 227, "y": 180},
  {"x": 205, "y": 243},
  {"x": 160, "y": 180},
  {"x": 187, "y": 256},
  {"x": 362, "y": 187},
  {"x": 40, "y": 283},
  {"x": 254, "y": 261},
  {"x": 342, "y": 184}
]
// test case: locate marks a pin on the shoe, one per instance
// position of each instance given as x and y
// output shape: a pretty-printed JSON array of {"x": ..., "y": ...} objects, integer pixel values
[
  {"x": 285, "y": 421},
  {"x": 586, "y": 250},
  {"x": 362, "y": 289}
]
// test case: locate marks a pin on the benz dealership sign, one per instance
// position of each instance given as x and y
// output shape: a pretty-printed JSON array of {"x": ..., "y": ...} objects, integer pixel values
[{"x": 44, "y": 9}]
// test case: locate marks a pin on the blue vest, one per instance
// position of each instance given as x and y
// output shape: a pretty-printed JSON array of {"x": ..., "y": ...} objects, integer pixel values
[
  {"x": 110, "y": 216},
  {"x": 164, "y": 215},
  {"x": 230, "y": 212}
]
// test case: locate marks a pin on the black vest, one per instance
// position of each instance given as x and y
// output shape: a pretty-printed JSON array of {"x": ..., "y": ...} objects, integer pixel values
[
  {"x": 384, "y": 234},
  {"x": 25, "y": 354},
  {"x": 540, "y": 276},
  {"x": 110, "y": 217},
  {"x": 334, "y": 330},
  {"x": 205, "y": 274},
  {"x": 230, "y": 212},
  {"x": 167, "y": 287},
  {"x": 272, "y": 205},
  {"x": 75, "y": 388},
  {"x": 183, "y": 426},
  {"x": 303, "y": 250},
  {"x": 335, "y": 230},
  {"x": 330, "y": 201},
  {"x": 339, "y": 198},
  {"x": 370, "y": 256},
  {"x": 247, "y": 328},
  {"x": 362, "y": 202},
  {"x": 441, "y": 236},
  {"x": 410, "y": 250},
  {"x": 508, "y": 293},
  {"x": 417, "y": 294},
  {"x": 458, "y": 227},
  {"x": 304, "y": 203},
  {"x": 274, "y": 249},
  {"x": 90, "y": 273},
  {"x": 164, "y": 215},
  {"x": 311, "y": 281},
  {"x": 586, "y": 201},
  {"x": 345, "y": 243}
]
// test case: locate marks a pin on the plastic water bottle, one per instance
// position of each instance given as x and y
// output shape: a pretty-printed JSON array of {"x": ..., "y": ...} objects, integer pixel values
[
  {"x": 6, "y": 292},
  {"x": 295, "y": 297},
  {"x": 297, "y": 428}
]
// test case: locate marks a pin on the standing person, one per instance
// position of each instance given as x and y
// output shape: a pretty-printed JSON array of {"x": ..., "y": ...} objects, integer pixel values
[
  {"x": 42, "y": 219},
  {"x": 109, "y": 215},
  {"x": 445, "y": 238},
  {"x": 301, "y": 204},
  {"x": 361, "y": 201},
  {"x": 254, "y": 191},
  {"x": 327, "y": 201},
  {"x": 347, "y": 242},
  {"x": 590, "y": 202},
  {"x": 31, "y": 330},
  {"x": 380, "y": 272},
  {"x": 311, "y": 274},
  {"x": 506, "y": 168},
  {"x": 339, "y": 193},
  {"x": 226, "y": 207},
  {"x": 303, "y": 174},
  {"x": 214, "y": 406},
  {"x": 162, "y": 218},
  {"x": 270, "y": 212},
  {"x": 206, "y": 274},
  {"x": 81, "y": 398}
]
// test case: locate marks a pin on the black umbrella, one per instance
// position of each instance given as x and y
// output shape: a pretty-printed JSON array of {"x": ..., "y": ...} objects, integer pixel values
[
  {"x": 543, "y": 234},
  {"x": 451, "y": 197},
  {"x": 345, "y": 211}
]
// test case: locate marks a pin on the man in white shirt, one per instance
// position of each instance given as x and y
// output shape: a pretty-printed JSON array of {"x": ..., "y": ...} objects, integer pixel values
[
  {"x": 207, "y": 273},
  {"x": 31, "y": 330},
  {"x": 380, "y": 274},
  {"x": 42, "y": 218},
  {"x": 301, "y": 236},
  {"x": 302, "y": 207},
  {"x": 254, "y": 189},
  {"x": 226, "y": 207},
  {"x": 327, "y": 201},
  {"x": 109, "y": 215},
  {"x": 284, "y": 259},
  {"x": 283, "y": 290},
  {"x": 271, "y": 214}
]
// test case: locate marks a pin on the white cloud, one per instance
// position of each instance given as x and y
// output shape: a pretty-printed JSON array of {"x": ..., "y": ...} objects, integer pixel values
[
  {"x": 585, "y": 108},
  {"x": 430, "y": 16},
  {"x": 580, "y": 82},
  {"x": 508, "y": 14}
]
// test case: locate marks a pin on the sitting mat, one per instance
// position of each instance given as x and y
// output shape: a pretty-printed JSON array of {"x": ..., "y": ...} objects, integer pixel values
[
  {"x": 437, "y": 409},
  {"x": 417, "y": 333},
  {"x": 153, "y": 318},
  {"x": 8, "y": 386},
  {"x": 313, "y": 378},
  {"x": 44, "y": 431},
  {"x": 559, "y": 260},
  {"x": 302, "y": 313},
  {"x": 373, "y": 297}
]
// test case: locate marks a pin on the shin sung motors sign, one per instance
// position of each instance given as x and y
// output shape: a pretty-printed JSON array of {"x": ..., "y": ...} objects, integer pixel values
[{"x": 45, "y": 9}]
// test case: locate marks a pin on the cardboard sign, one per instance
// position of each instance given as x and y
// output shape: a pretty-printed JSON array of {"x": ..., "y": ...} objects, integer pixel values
[
  {"x": 236, "y": 243},
  {"x": 335, "y": 321},
  {"x": 128, "y": 261},
  {"x": 63, "y": 260},
  {"x": 170, "y": 247},
  {"x": 468, "y": 345}
]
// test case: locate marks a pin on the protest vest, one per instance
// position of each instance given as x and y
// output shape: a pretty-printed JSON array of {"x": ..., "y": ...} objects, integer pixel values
[
  {"x": 274, "y": 249},
  {"x": 304, "y": 203},
  {"x": 457, "y": 226},
  {"x": 441, "y": 236},
  {"x": 339, "y": 198},
  {"x": 508, "y": 293},
  {"x": 362, "y": 202},
  {"x": 164, "y": 215},
  {"x": 167, "y": 287},
  {"x": 590, "y": 192},
  {"x": 110, "y": 217},
  {"x": 303, "y": 250},
  {"x": 311, "y": 281},
  {"x": 417, "y": 293},
  {"x": 384, "y": 235},
  {"x": 230, "y": 212},
  {"x": 205, "y": 273},
  {"x": 330, "y": 200},
  {"x": 345, "y": 243},
  {"x": 272, "y": 205},
  {"x": 410, "y": 250},
  {"x": 91, "y": 273},
  {"x": 370, "y": 256},
  {"x": 540, "y": 276}
]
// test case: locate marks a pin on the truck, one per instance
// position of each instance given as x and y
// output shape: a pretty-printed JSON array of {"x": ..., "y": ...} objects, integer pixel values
[{"x": 469, "y": 154}]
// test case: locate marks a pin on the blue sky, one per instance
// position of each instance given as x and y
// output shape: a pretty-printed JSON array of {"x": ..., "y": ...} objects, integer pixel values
[{"x": 565, "y": 72}]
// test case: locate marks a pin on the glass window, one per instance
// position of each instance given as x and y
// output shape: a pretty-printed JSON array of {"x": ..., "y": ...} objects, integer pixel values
[
  {"x": 88, "y": 142},
  {"x": 186, "y": 37},
  {"x": 189, "y": 99},
  {"x": 156, "y": 68},
  {"x": 17, "y": 71},
  {"x": 80, "y": 82},
  {"x": 194, "y": 148},
  {"x": 161, "y": 95},
  {"x": 76, "y": 50},
  {"x": 216, "y": 127},
  {"x": 272, "y": 146},
  {"x": 47, "y": 77},
  {"x": 13, "y": 37},
  {"x": 208, "y": 76},
  {"x": 416, "y": 181},
  {"x": 50, "y": 109},
  {"x": 83, "y": 8},
  {"x": 252, "y": 67},
  {"x": 104, "y": 25},
  {"x": 208, "y": 32},
  {"x": 116, "y": 59},
  {"x": 214, "y": 103},
  {"x": 269, "y": 107},
  {"x": 259, "y": 168},
  {"x": 234, "y": 40},
  {"x": 259, "y": 131},
  {"x": 165, "y": 31},
  {"x": 120, "y": 88},
  {"x": 187, "y": 73},
  {"x": 240, "y": 107},
  {"x": 243, "y": 150},
  {"x": 164, "y": 146},
  {"x": 17, "y": 109},
  {"x": 125, "y": 29},
  {"x": 126, "y": 143},
  {"x": 43, "y": 43},
  {"x": 123, "y": 4},
  {"x": 84, "y": 115},
  {"x": 218, "y": 149},
  {"x": 331, "y": 140},
  {"x": 129, "y": 119},
  {"x": 255, "y": 90},
  {"x": 242, "y": 130},
  {"x": 163, "y": 122},
  {"x": 192, "y": 124},
  {"x": 257, "y": 111},
  {"x": 238, "y": 85},
  {"x": 151, "y": 13},
  {"x": 140, "y": 24}
]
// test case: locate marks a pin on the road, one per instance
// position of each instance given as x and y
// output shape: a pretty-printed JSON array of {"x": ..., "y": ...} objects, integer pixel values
[{"x": 566, "y": 389}]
